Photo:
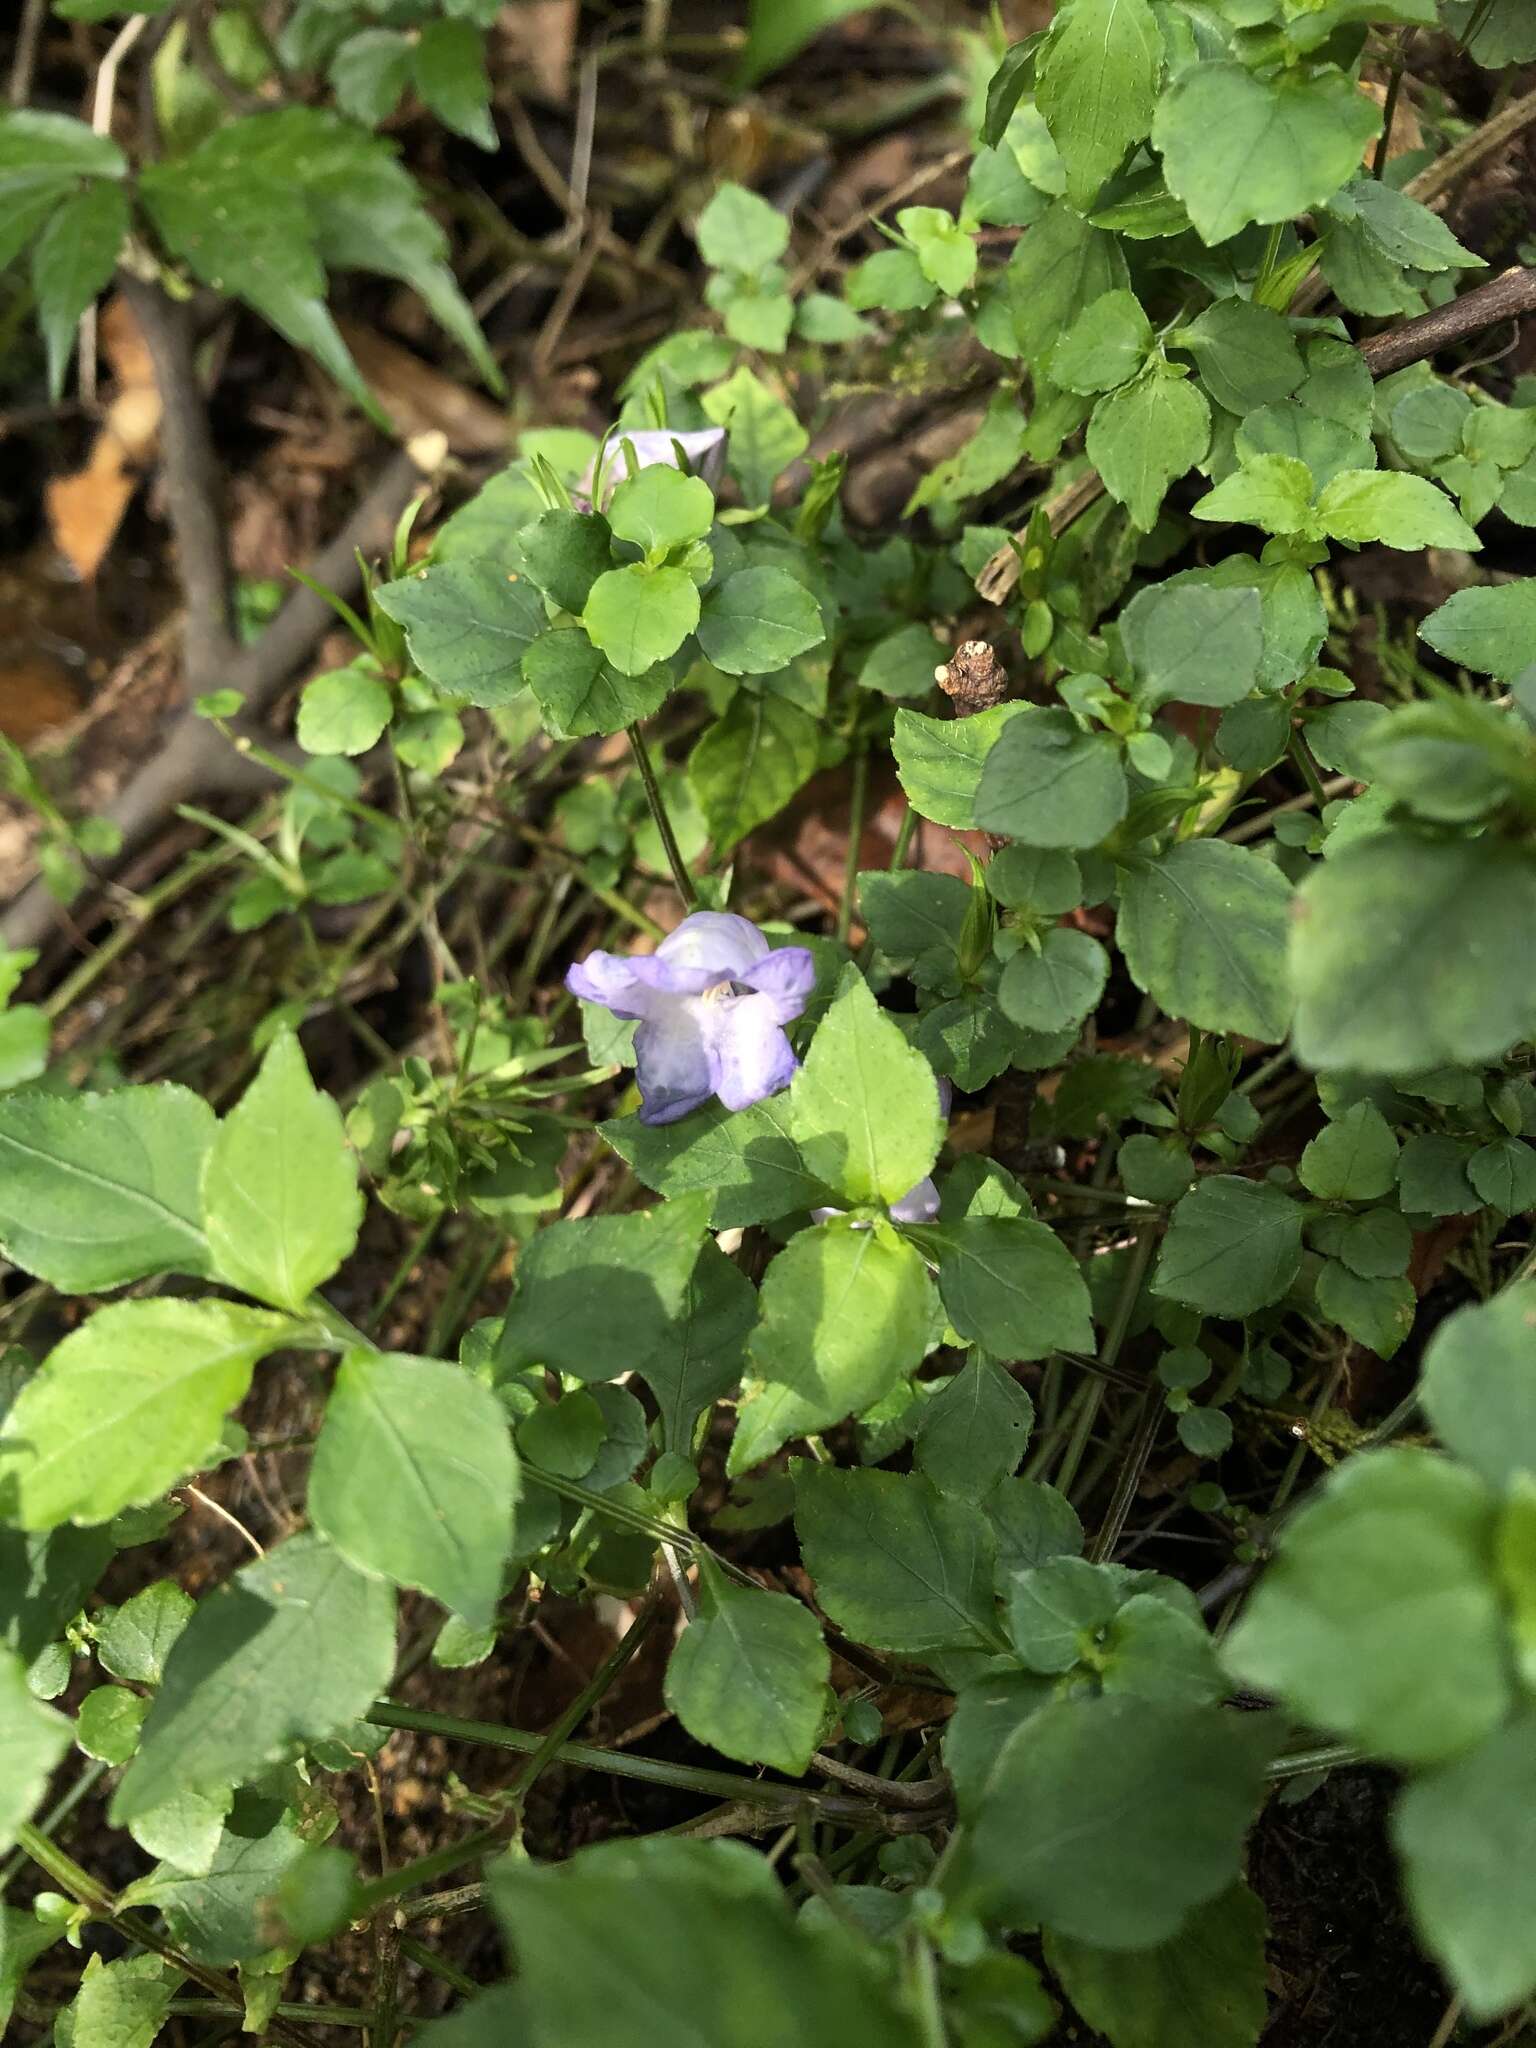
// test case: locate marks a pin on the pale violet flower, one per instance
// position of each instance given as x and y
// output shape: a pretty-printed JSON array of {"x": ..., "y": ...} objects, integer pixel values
[
  {"x": 919, "y": 1204},
  {"x": 703, "y": 447},
  {"x": 712, "y": 1002}
]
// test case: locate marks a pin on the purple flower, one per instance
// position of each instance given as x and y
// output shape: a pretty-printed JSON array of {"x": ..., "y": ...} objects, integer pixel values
[
  {"x": 703, "y": 446},
  {"x": 712, "y": 1002},
  {"x": 919, "y": 1204}
]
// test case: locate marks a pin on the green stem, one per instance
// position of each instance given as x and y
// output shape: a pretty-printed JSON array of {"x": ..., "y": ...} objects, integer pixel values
[
  {"x": 437, "y": 1966},
  {"x": 1109, "y": 1353},
  {"x": 662, "y": 822},
  {"x": 856, "y": 800},
  {"x": 566, "y": 1724},
  {"x": 1389, "y": 108},
  {"x": 1300, "y": 1761},
  {"x": 1307, "y": 768}
]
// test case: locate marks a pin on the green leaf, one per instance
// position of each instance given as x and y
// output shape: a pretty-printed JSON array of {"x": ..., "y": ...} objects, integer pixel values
[
  {"x": 1432, "y": 1176},
  {"x": 1060, "y": 266},
  {"x": 22, "y": 1940},
  {"x": 42, "y": 159},
  {"x": 344, "y": 712},
  {"x": 765, "y": 435},
  {"x": 638, "y": 616},
  {"x": 1096, "y": 84},
  {"x": 280, "y": 1192},
  {"x": 897, "y": 1564},
  {"x": 567, "y": 551},
  {"x": 450, "y": 75},
  {"x": 108, "y": 1724},
  {"x": 845, "y": 1319},
  {"x": 746, "y": 1160},
  {"x": 1206, "y": 1984},
  {"x": 1238, "y": 148},
  {"x": 974, "y": 1430},
  {"x": 1057, "y": 986},
  {"x": 1156, "y": 1651},
  {"x": 1246, "y": 354},
  {"x": 134, "y": 1640},
  {"x": 72, "y": 261},
  {"x": 1390, "y": 506},
  {"x": 468, "y": 625},
  {"x": 864, "y": 1106},
  {"x": 1111, "y": 1820},
  {"x": 580, "y": 692},
  {"x": 1272, "y": 491},
  {"x": 703, "y": 1353},
  {"x": 1379, "y": 1618},
  {"x": 597, "y": 1295},
  {"x": 757, "y": 621},
  {"x": 1353, "y": 1159},
  {"x": 1056, "y": 1611},
  {"x": 221, "y": 1913},
  {"x": 939, "y": 760},
  {"x": 97, "y": 1190},
  {"x": 1401, "y": 228},
  {"x": 911, "y": 915},
  {"x": 1010, "y": 1284},
  {"x": 1377, "y": 1313},
  {"x": 414, "y": 1478},
  {"x": 751, "y": 762},
  {"x": 1492, "y": 630},
  {"x": 891, "y": 280},
  {"x": 659, "y": 508},
  {"x": 946, "y": 253},
  {"x": 126, "y": 1406},
  {"x": 1030, "y": 1523},
  {"x": 1203, "y": 929},
  {"x": 1466, "y": 1834},
  {"x": 1049, "y": 783},
  {"x": 1479, "y": 1384},
  {"x": 1233, "y": 1246},
  {"x": 1436, "y": 930},
  {"x": 369, "y": 73},
  {"x": 291, "y": 1650},
  {"x": 748, "y": 1675},
  {"x": 32, "y": 1740},
  {"x": 1105, "y": 346},
  {"x": 1188, "y": 643},
  {"x": 1145, "y": 435},
  {"x": 122, "y": 2004},
  {"x": 739, "y": 231}
]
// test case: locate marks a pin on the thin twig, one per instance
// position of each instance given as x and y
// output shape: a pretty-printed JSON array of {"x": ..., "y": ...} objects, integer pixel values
[
  {"x": 662, "y": 822},
  {"x": 24, "y": 62}
]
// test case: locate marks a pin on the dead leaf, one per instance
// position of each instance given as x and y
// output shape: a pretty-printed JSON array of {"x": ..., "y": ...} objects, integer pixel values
[
  {"x": 420, "y": 399},
  {"x": 540, "y": 36},
  {"x": 86, "y": 509},
  {"x": 1406, "y": 133}
]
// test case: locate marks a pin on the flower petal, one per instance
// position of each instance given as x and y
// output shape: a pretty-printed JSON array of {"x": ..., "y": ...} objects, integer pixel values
[
  {"x": 713, "y": 942},
  {"x": 918, "y": 1205},
  {"x": 749, "y": 1054},
  {"x": 610, "y": 979},
  {"x": 786, "y": 977},
  {"x": 704, "y": 448},
  {"x": 673, "y": 1062}
]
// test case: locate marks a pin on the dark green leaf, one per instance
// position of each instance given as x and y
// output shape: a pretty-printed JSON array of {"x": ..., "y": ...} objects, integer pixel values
[
  {"x": 1203, "y": 929},
  {"x": 1233, "y": 1246},
  {"x": 468, "y": 625}
]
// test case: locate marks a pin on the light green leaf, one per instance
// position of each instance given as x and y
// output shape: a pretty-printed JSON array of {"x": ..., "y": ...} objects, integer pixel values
[
  {"x": 765, "y": 436},
  {"x": 1057, "y": 986},
  {"x": 1060, "y": 266},
  {"x": 97, "y": 1190},
  {"x": 1205, "y": 1984},
  {"x": 122, "y": 2004},
  {"x": 1111, "y": 1820},
  {"x": 1379, "y": 1618},
  {"x": 845, "y": 1319},
  {"x": 414, "y": 1478},
  {"x": 974, "y": 1430},
  {"x": 1106, "y": 344},
  {"x": 1189, "y": 643},
  {"x": 32, "y": 1740},
  {"x": 1049, "y": 783},
  {"x": 449, "y": 70},
  {"x": 946, "y": 253},
  {"x": 596, "y": 1295},
  {"x": 757, "y": 621},
  {"x": 1390, "y": 506},
  {"x": 658, "y": 507},
  {"x": 739, "y": 231},
  {"x": 42, "y": 159},
  {"x": 1233, "y": 1246},
  {"x": 369, "y": 73},
  {"x": 703, "y": 1353},
  {"x": 134, "y": 1640},
  {"x": 751, "y": 762},
  {"x": 864, "y": 1107},
  {"x": 126, "y": 1406},
  {"x": 280, "y": 1192},
  {"x": 291, "y": 1650},
  {"x": 567, "y": 551},
  {"x": 748, "y": 1676},
  {"x": 1272, "y": 491},
  {"x": 1056, "y": 1611},
  {"x": 1145, "y": 435},
  {"x": 1492, "y": 630},
  {"x": 1011, "y": 1285},
  {"x": 109, "y": 1722},
  {"x": 72, "y": 261},
  {"x": 892, "y": 281},
  {"x": 344, "y": 712},
  {"x": 1096, "y": 84},
  {"x": 580, "y": 692},
  {"x": 638, "y": 616},
  {"x": 1466, "y": 1834},
  {"x": 1479, "y": 1384},
  {"x": 1238, "y": 148},
  {"x": 897, "y": 1564},
  {"x": 468, "y": 625},
  {"x": 939, "y": 760},
  {"x": 1436, "y": 930},
  {"x": 1353, "y": 1159},
  {"x": 1203, "y": 929}
]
